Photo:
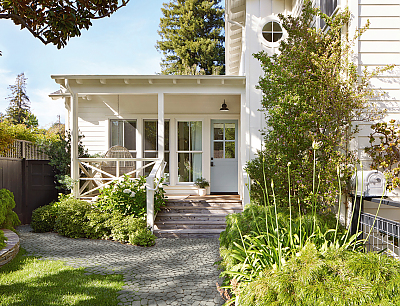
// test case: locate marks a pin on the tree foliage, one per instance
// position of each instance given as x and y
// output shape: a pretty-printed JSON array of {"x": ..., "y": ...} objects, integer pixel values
[
  {"x": 19, "y": 110},
  {"x": 192, "y": 36},
  {"x": 311, "y": 94},
  {"x": 55, "y": 22}
]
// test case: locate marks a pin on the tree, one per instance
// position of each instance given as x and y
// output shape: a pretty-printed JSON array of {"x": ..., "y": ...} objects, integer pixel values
[
  {"x": 311, "y": 94},
  {"x": 53, "y": 21},
  {"x": 19, "y": 110},
  {"x": 192, "y": 39}
]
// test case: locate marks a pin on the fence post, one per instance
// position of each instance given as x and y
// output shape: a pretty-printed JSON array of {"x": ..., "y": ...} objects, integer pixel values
[
  {"x": 356, "y": 211},
  {"x": 150, "y": 201}
]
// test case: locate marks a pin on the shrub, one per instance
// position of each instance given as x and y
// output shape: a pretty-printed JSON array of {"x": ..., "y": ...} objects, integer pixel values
[
  {"x": 8, "y": 218},
  {"x": 330, "y": 277},
  {"x": 44, "y": 218},
  {"x": 72, "y": 220},
  {"x": 98, "y": 224},
  {"x": 124, "y": 226},
  {"x": 3, "y": 240},
  {"x": 128, "y": 197},
  {"x": 142, "y": 237}
]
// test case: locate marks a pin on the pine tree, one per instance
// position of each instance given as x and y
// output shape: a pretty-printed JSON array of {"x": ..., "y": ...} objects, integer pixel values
[
  {"x": 19, "y": 110},
  {"x": 192, "y": 37}
]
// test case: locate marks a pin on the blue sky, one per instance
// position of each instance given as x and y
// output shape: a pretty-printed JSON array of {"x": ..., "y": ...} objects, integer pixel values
[{"x": 121, "y": 44}]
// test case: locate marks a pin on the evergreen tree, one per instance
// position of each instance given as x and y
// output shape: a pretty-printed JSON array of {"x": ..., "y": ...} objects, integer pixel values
[
  {"x": 192, "y": 37},
  {"x": 19, "y": 111}
]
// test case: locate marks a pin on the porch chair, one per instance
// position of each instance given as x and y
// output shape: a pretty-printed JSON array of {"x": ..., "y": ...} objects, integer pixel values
[{"x": 124, "y": 166}]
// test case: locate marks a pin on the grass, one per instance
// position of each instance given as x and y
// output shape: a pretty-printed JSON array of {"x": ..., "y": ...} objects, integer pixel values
[{"x": 30, "y": 281}]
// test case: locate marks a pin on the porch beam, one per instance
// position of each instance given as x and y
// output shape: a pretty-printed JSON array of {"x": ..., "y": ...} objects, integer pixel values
[{"x": 161, "y": 125}]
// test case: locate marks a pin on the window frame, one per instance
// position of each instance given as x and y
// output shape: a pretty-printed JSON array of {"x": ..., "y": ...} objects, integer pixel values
[
  {"x": 177, "y": 151},
  {"x": 133, "y": 152}
]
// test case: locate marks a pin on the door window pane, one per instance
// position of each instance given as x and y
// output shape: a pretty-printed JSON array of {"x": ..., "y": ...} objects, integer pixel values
[
  {"x": 230, "y": 149},
  {"x": 218, "y": 150},
  {"x": 218, "y": 131},
  {"x": 230, "y": 133}
]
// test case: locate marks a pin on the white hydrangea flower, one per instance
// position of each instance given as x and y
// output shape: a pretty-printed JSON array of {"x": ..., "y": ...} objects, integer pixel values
[
  {"x": 127, "y": 191},
  {"x": 133, "y": 194}
]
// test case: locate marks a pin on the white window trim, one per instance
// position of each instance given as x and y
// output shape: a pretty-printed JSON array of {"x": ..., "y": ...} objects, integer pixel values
[{"x": 261, "y": 38}]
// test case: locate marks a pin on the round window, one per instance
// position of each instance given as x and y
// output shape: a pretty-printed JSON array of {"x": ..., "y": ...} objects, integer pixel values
[{"x": 272, "y": 31}]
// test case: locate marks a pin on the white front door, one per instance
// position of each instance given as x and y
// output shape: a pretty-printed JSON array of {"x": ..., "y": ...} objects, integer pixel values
[{"x": 224, "y": 157}]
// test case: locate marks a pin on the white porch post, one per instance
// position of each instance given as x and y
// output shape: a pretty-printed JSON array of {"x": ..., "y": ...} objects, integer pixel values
[
  {"x": 74, "y": 144},
  {"x": 161, "y": 125}
]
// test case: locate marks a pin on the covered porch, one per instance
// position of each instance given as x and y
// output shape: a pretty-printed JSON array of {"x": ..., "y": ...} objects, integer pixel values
[{"x": 174, "y": 127}]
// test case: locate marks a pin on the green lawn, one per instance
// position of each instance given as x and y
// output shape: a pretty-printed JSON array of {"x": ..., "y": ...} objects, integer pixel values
[{"x": 29, "y": 281}]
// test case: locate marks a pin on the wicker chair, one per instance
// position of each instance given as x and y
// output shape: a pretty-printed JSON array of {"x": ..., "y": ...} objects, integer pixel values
[{"x": 111, "y": 166}]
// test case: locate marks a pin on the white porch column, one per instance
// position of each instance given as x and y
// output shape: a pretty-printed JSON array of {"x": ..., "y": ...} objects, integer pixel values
[
  {"x": 74, "y": 144},
  {"x": 160, "y": 125}
]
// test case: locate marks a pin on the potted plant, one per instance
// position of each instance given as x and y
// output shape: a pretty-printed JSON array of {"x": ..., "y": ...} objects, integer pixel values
[{"x": 202, "y": 183}]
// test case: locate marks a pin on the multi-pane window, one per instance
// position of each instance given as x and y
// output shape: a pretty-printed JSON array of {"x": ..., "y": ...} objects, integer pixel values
[
  {"x": 189, "y": 151},
  {"x": 150, "y": 145},
  {"x": 327, "y": 7},
  {"x": 224, "y": 140},
  {"x": 123, "y": 133},
  {"x": 272, "y": 31}
]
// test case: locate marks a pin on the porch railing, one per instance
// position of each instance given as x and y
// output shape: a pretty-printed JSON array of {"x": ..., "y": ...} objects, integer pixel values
[
  {"x": 383, "y": 234},
  {"x": 94, "y": 177}
]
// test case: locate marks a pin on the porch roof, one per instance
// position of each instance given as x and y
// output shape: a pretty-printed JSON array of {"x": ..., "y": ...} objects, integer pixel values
[{"x": 209, "y": 80}]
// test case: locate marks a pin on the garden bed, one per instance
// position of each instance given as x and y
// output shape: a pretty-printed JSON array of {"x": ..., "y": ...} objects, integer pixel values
[{"x": 11, "y": 250}]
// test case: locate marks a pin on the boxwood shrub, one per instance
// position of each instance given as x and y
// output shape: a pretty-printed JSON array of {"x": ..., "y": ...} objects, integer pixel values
[{"x": 44, "y": 218}]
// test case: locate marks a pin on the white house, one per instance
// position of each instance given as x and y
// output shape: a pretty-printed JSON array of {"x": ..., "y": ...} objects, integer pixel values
[{"x": 209, "y": 126}]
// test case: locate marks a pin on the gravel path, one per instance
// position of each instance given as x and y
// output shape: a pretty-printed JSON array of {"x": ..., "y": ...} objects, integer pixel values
[{"x": 173, "y": 272}]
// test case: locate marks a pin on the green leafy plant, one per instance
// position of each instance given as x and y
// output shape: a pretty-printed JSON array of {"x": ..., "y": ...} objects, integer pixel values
[
  {"x": 44, "y": 218},
  {"x": 8, "y": 218},
  {"x": 327, "y": 277},
  {"x": 128, "y": 196},
  {"x": 202, "y": 182},
  {"x": 58, "y": 149},
  {"x": 122, "y": 227},
  {"x": 72, "y": 218},
  {"x": 3, "y": 240},
  {"x": 311, "y": 93},
  {"x": 142, "y": 237},
  {"x": 386, "y": 154}
]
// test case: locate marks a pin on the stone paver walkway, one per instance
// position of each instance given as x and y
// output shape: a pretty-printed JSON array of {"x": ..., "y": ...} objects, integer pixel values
[{"x": 173, "y": 272}]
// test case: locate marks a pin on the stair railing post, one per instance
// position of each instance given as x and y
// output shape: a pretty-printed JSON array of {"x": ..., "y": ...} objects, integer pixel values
[{"x": 150, "y": 201}]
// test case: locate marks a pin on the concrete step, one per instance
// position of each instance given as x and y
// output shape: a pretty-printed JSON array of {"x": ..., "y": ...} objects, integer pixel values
[
  {"x": 175, "y": 224},
  {"x": 188, "y": 233}
]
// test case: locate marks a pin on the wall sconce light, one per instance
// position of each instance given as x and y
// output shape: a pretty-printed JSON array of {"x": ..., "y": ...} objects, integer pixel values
[{"x": 224, "y": 107}]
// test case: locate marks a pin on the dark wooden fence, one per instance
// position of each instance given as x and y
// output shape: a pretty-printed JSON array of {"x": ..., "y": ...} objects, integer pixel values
[{"x": 30, "y": 178}]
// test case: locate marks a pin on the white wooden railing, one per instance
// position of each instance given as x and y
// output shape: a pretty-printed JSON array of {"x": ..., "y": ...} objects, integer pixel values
[
  {"x": 24, "y": 149},
  {"x": 94, "y": 177}
]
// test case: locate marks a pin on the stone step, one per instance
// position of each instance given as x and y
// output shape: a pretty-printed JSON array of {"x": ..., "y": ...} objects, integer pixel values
[
  {"x": 205, "y": 224},
  {"x": 166, "y": 216},
  {"x": 200, "y": 209},
  {"x": 188, "y": 233}
]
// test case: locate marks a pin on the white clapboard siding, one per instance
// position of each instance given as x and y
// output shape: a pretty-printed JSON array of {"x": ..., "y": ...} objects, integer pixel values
[
  {"x": 381, "y": 35},
  {"x": 379, "y": 58},
  {"x": 384, "y": 46},
  {"x": 380, "y": 22},
  {"x": 377, "y": 10}
]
